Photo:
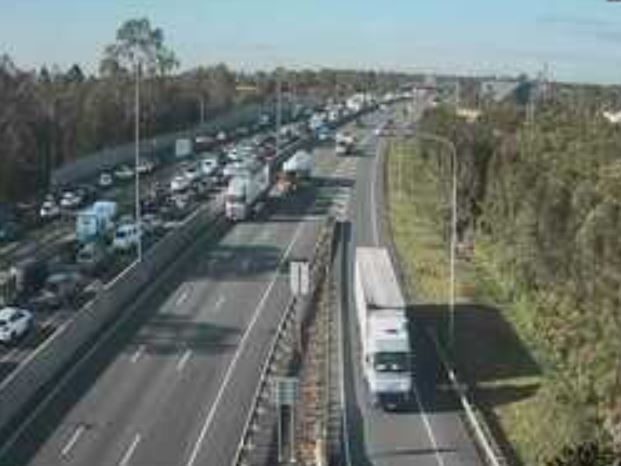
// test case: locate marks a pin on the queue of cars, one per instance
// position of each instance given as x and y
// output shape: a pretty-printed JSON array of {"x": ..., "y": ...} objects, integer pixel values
[{"x": 213, "y": 160}]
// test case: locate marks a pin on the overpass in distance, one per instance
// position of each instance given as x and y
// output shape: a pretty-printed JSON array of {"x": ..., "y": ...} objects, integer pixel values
[{"x": 172, "y": 381}]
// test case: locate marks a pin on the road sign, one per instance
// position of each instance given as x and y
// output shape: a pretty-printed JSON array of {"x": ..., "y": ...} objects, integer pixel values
[
  {"x": 284, "y": 390},
  {"x": 299, "y": 277}
]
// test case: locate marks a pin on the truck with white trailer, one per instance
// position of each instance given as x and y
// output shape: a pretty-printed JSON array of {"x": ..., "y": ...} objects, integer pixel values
[
  {"x": 386, "y": 357},
  {"x": 93, "y": 230},
  {"x": 345, "y": 144},
  {"x": 246, "y": 190}
]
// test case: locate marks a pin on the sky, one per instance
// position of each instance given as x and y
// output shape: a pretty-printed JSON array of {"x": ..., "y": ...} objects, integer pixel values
[{"x": 579, "y": 40}]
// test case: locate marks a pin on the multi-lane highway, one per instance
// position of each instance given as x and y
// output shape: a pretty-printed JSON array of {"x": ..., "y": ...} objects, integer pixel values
[
  {"x": 432, "y": 431},
  {"x": 171, "y": 382}
]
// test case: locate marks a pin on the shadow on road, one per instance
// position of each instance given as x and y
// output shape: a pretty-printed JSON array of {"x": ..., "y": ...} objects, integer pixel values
[{"x": 490, "y": 358}]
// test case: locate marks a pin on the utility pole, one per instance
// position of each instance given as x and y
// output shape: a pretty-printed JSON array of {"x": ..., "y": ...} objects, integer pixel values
[
  {"x": 137, "y": 160},
  {"x": 453, "y": 241},
  {"x": 278, "y": 111}
]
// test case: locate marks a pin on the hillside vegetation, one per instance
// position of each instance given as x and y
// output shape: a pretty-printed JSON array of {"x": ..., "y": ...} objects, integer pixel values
[{"x": 540, "y": 201}]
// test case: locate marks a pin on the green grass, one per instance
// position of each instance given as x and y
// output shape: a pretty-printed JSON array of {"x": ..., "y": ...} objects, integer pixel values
[{"x": 497, "y": 354}]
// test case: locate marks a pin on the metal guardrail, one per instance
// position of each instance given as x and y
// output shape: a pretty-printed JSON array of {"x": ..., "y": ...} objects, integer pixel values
[{"x": 289, "y": 314}]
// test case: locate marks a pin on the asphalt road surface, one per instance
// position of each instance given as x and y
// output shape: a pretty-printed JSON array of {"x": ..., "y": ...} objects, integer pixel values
[
  {"x": 171, "y": 383},
  {"x": 431, "y": 432}
]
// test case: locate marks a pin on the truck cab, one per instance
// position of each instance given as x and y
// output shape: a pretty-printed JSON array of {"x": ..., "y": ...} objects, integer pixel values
[{"x": 387, "y": 360}]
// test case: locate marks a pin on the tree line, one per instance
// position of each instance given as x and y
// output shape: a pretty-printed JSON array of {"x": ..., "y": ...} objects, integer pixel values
[
  {"x": 545, "y": 191},
  {"x": 52, "y": 116}
]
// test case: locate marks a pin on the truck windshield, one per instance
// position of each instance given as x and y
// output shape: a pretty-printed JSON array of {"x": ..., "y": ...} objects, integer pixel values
[{"x": 391, "y": 362}]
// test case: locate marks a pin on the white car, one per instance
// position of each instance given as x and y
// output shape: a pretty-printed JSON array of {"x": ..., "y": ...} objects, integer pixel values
[
  {"x": 209, "y": 166},
  {"x": 105, "y": 180},
  {"x": 179, "y": 183},
  {"x": 126, "y": 237},
  {"x": 49, "y": 210},
  {"x": 14, "y": 323},
  {"x": 71, "y": 200},
  {"x": 221, "y": 136},
  {"x": 124, "y": 172},
  {"x": 192, "y": 173}
]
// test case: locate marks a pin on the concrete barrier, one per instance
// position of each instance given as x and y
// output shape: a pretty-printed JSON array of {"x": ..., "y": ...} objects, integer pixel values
[{"x": 90, "y": 165}]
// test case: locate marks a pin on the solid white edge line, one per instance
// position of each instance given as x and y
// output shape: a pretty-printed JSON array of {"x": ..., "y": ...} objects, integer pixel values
[
  {"x": 72, "y": 441},
  {"x": 227, "y": 376},
  {"x": 130, "y": 451}
]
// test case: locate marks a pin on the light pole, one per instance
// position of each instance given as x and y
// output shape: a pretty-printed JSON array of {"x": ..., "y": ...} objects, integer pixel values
[
  {"x": 278, "y": 111},
  {"x": 448, "y": 143},
  {"x": 201, "y": 101},
  {"x": 137, "y": 160}
]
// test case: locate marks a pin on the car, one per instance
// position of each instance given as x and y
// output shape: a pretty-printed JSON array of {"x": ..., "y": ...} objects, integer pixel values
[
  {"x": 192, "y": 173},
  {"x": 49, "y": 210},
  {"x": 152, "y": 224},
  {"x": 221, "y": 136},
  {"x": 14, "y": 323},
  {"x": 60, "y": 288},
  {"x": 145, "y": 167},
  {"x": 209, "y": 166},
  {"x": 92, "y": 258},
  {"x": 123, "y": 173},
  {"x": 71, "y": 200},
  {"x": 125, "y": 219},
  {"x": 179, "y": 183},
  {"x": 204, "y": 142},
  {"x": 126, "y": 237},
  {"x": 105, "y": 180},
  {"x": 10, "y": 231}
]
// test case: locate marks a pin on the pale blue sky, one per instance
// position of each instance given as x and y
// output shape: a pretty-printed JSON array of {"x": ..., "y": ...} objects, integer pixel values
[{"x": 579, "y": 39}]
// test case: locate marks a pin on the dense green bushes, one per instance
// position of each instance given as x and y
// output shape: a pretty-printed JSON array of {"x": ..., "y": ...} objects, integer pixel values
[{"x": 546, "y": 195}]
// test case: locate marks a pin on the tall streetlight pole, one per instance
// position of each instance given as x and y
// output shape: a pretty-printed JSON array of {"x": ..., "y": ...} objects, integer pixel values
[
  {"x": 137, "y": 160},
  {"x": 453, "y": 246},
  {"x": 278, "y": 111}
]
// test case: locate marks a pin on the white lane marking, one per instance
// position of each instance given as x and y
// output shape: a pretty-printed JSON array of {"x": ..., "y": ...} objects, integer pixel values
[
  {"x": 184, "y": 359},
  {"x": 373, "y": 200},
  {"x": 137, "y": 354},
  {"x": 428, "y": 428},
  {"x": 130, "y": 451},
  {"x": 219, "y": 303},
  {"x": 72, "y": 441},
  {"x": 181, "y": 299},
  {"x": 240, "y": 349}
]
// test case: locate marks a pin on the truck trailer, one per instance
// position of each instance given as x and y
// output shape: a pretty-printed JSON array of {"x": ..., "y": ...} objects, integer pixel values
[
  {"x": 386, "y": 358},
  {"x": 246, "y": 190}
]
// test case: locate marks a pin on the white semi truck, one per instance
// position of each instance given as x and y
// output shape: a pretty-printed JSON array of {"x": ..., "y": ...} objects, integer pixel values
[
  {"x": 382, "y": 323},
  {"x": 245, "y": 190}
]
